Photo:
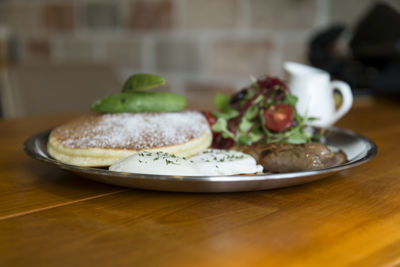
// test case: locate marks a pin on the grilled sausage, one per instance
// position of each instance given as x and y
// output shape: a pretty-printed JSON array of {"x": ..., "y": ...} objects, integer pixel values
[{"x": 292, "y": 157}]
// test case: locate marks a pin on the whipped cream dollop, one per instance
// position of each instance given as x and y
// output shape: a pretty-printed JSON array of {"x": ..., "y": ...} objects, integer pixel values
[{"x": 208, "y": 163}]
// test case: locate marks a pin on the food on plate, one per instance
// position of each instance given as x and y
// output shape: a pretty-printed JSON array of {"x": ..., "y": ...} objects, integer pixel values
[
  {"x": 128, "y": 122},
  {"x": 140, "y": 102},
  {"x": 134, "y": 99},
  {"x": 278, "y": 157},
  {"x": 101, "y": 139},
  {"x": 147, "y": 132},
  {"x": 225, "y": 162},
  {"x": 210, "y": 162},
  {"x": 142, "y": 82},
  {"x": 264, "y": 112},
  {"x": 262, "y": 120}
]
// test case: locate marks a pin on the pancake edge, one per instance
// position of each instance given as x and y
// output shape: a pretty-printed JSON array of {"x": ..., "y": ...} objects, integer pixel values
[{"x": 103, "y": 157}]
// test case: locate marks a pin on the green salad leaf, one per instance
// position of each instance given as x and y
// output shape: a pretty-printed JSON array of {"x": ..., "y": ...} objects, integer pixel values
[
  {"x": 222, "y": 101},
  {"x": 221, "y": 126}
]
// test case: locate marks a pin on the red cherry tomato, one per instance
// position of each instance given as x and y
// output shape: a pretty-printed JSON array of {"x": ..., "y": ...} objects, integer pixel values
[
  {"x": 279, "y": 117},
  {"x": 210, "y": 118}
]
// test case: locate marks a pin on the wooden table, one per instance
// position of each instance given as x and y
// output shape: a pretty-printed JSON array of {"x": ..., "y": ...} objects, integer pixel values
[{"x": 49, "y": 217}]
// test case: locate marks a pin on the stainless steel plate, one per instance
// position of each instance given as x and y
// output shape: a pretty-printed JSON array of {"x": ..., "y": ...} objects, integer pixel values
[{"x": 357, "y": 148}]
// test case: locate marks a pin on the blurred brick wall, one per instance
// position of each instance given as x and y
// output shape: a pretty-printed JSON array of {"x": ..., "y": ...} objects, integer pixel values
[{"x": 195, "y": 44}]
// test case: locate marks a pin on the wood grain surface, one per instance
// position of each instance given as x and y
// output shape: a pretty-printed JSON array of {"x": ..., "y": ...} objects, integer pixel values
[{"x": 52, "y": 218}]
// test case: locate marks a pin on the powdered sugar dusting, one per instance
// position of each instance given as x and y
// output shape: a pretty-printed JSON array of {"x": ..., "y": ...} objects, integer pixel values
[{"x": 136, "y": 131}]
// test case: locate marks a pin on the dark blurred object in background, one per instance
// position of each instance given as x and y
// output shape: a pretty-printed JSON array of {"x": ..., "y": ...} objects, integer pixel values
[{"x": 373, "y": 63}]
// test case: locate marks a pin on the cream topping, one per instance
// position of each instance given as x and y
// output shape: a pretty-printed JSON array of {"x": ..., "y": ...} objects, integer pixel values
[{"x": 210, "y": 162}]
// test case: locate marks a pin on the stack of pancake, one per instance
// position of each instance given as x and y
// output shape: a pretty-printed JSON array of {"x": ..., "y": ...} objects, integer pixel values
[{"x": 102, "y": 139}]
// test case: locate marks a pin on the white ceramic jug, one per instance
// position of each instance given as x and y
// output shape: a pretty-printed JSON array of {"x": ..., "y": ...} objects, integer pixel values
[{"x": 314, "y": 90}]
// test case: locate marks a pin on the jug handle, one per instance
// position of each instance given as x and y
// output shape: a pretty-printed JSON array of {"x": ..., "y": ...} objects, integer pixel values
[{"x": 347, "y": 97}]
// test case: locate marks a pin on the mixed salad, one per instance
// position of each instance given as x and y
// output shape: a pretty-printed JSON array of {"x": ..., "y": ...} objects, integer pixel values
[{"x": 264, "y": 112}]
